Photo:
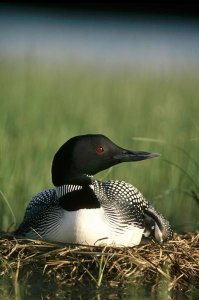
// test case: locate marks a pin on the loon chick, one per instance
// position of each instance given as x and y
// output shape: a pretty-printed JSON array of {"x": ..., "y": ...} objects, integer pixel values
[{"x": 83, "y": 210}]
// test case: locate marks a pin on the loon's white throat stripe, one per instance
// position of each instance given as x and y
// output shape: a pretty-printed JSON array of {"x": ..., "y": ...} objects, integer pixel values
[
  {"x": 68, "y": 188},
  {"x": 64, "y": 189}
]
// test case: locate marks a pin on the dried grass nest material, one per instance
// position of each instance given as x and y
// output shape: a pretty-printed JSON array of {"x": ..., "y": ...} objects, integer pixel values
[{"x": 174, "y": 264}]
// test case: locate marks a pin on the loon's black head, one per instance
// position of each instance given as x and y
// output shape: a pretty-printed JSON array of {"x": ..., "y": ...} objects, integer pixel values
[{"x": 87, "y": 155}]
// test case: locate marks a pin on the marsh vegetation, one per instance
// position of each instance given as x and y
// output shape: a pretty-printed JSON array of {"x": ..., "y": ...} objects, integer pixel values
[{"x": 44, "y": 105}]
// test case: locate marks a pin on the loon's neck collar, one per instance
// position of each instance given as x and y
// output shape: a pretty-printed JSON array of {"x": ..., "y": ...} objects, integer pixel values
[
  {"x": 73, "y": 184},
  {"x": 67, "y": 188},
  {"x": 74, "y": 197}
]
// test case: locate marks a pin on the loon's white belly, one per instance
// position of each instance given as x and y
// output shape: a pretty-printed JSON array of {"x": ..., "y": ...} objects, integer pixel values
[{"x": 89, "y": 226}]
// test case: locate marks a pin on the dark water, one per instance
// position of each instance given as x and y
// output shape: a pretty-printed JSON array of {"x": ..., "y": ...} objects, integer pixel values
[
  {"x": 157, "y": 43},
  {"x": 36, "y": 288}
]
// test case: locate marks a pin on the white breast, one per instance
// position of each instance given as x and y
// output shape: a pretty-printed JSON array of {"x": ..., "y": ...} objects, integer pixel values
[{"x": 89, "y": 226}]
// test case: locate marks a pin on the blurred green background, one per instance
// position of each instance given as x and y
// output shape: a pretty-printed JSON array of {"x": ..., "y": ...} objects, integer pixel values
[
  {"x": 42, "y": 107},
  {"x": 44, "y": 104}
]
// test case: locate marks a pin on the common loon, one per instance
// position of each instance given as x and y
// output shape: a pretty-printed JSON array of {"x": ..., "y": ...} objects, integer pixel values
[{"x": 83, "y": 210}]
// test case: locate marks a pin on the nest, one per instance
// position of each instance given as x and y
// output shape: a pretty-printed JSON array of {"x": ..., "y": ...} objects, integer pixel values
[{"x": 174, "y": 265}]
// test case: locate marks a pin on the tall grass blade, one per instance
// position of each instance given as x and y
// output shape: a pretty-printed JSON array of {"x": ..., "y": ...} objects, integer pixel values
[
  {"x": 182, "y": 170},
  {"x": 9, "y": 207}
]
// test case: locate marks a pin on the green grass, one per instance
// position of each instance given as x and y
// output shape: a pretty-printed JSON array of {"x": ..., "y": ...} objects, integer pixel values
[{"x": 42, "y": 106}]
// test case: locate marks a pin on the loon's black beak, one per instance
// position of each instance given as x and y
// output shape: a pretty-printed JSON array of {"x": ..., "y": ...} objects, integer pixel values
[{"x": 127, "y": 155}]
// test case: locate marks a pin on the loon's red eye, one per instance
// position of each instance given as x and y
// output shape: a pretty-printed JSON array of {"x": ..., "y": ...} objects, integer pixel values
[{"x": 99, "y": 149}]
